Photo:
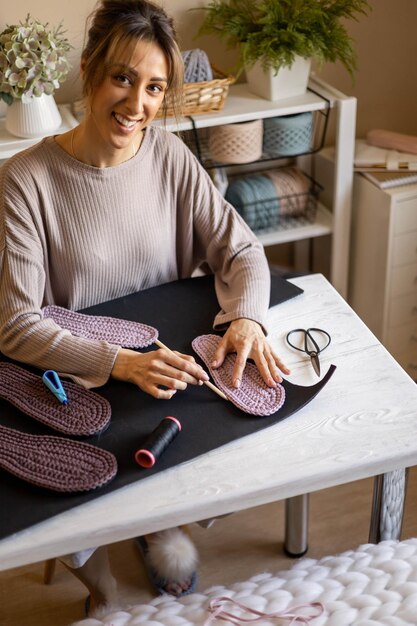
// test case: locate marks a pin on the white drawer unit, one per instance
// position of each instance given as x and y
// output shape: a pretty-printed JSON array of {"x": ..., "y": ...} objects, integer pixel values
[{"x": 383, "y": 266}]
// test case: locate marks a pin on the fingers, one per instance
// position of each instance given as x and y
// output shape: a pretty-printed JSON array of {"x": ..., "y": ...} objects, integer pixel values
[
  {"x": 180, "y": 367},
  {"x": 160, "y": 373},
  {"x": 270, "y": 366},
  {"x": 249, "y": 345},
  {"x": 170, "y": 372},
  {"x": 221, "y": 352}
]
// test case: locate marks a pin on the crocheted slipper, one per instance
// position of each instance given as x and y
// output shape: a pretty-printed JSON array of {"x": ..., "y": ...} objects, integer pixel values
[
  {"x": 253, "y": 395},
  {"x": 85, "y": 414},
  {"x": 160, "y": 583},
  {"x": 118, "y": 331},
  {"x": 54, "y": 462}
]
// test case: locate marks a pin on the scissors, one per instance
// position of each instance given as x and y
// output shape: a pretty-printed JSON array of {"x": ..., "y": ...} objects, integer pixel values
[{"x": 313, "y": 345}]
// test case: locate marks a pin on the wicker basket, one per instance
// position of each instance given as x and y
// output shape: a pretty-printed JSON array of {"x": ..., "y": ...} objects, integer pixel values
[{"x": 205, "y": 97}]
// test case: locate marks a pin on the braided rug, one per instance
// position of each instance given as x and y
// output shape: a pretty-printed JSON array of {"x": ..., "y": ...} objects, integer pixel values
[
  {"x": 373, "y": 585},
  {"x": 117, "y": 331},
  {"x": 85, "y": 414},
  {"x": 253, "y": 395},
  {"x": 54, "y": 462}
]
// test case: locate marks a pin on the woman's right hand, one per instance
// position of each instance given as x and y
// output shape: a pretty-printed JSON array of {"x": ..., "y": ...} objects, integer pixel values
[{"x": 161, "y": 373}]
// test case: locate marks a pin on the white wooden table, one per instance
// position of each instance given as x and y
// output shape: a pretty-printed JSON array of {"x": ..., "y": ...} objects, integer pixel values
[{"x": 363, "y": 423}]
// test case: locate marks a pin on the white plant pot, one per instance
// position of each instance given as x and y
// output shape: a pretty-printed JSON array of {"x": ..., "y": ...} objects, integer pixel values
[
  {"x": 34, "y": 119},
  {"x": 286, "y": 83}
]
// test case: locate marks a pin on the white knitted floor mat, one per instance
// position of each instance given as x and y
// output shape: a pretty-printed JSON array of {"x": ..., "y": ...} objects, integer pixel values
[{"x": 374, "y": 585}]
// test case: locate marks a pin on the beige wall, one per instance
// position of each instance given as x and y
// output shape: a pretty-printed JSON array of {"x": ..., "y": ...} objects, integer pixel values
[{"x": 386, "y": 42}]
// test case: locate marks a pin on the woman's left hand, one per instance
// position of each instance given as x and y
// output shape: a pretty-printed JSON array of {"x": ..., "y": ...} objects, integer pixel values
[{"x": 247, "y": 339}]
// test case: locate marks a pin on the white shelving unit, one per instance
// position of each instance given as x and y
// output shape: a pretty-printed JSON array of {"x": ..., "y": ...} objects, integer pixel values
[{"x": 242, "y": 106}]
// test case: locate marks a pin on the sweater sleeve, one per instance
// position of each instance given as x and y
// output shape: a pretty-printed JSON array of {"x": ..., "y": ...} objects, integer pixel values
[
  {"x": 24, "y": 334},
  {"x": 222, "y": 239}
]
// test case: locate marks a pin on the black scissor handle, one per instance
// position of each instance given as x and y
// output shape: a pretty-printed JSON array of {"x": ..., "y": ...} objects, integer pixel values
[
  {"x": 309, "y": 337},
  {"x": 323, "y": 332}
]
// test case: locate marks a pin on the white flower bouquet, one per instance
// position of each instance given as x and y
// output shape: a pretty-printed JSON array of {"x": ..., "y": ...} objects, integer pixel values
[{"x": 33, "y": 60}]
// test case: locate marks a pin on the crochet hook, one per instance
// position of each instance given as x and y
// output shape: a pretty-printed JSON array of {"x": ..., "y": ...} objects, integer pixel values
[
  {"x": 206, "y": 382},
  {"x": 53, "y": 382}
]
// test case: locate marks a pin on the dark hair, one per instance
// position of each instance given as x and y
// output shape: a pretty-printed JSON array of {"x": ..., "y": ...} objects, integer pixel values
[{"x": 121, "y": 23}]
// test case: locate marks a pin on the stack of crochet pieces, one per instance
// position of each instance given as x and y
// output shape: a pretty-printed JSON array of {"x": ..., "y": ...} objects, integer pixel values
[
  {"x": 55, "y": 463},
  {"x": 86, "y": 413},
  {"x": 114, "y": 330}
]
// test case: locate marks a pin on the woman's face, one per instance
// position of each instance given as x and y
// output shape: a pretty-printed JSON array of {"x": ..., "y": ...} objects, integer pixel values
[{"x": 128, "y": 98}]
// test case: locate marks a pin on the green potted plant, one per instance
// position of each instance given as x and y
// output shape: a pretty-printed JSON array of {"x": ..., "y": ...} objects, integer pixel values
[
  {"x": 274, "y": 36},
  {"x": 33, "y": 64}
]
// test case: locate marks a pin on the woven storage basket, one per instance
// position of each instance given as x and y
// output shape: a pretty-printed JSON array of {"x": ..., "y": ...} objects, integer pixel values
[
  {"x": 274, "y": 199},
  {"x": 236, "y": 143},
  {"x": 288, "y": 135},
  {"x": 204, "y": 97}
]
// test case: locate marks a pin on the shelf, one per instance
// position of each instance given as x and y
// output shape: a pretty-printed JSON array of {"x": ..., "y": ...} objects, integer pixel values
[
  {"x": 242, "y": 106},
  {"x": 323, "y": 225},
  {"x": 198, "y": 140},
  {"x": 11, "y": 145}
]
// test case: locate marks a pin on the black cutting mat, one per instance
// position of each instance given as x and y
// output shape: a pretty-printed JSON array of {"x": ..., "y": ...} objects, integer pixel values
[{"x": 180, "y": 311}]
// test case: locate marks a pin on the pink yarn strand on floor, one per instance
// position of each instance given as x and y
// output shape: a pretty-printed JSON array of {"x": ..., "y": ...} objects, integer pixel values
[{"x": 218, "y": 613}]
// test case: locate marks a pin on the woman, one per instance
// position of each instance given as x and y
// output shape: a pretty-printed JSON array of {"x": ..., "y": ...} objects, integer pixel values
[{"x": 115, "y": 206}]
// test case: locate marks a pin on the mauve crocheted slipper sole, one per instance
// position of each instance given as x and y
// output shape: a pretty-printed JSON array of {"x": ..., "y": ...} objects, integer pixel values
[
  {"x": 253, "y": 395},
  {"x": 55, "y": 462},
  {"x": 85, "y": 414},
  {"x": 117, "y": 331}
]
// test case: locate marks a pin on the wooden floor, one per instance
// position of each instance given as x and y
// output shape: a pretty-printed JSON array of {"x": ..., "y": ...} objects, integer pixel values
[{"x": 235, "y": 548}]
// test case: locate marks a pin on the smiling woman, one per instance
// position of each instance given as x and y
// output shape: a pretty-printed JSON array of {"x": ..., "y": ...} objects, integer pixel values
[
  {"x": 127, "y": 68},
  {"x": 120, "y": 107},
  {"x": 109, "y": 209}
]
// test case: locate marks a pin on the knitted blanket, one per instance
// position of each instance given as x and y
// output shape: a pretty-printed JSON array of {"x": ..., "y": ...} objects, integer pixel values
[{"x": 373, "y": 585}]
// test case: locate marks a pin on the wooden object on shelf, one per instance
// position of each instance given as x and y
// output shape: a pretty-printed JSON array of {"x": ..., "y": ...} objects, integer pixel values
[{"x": 383, "y": 278}]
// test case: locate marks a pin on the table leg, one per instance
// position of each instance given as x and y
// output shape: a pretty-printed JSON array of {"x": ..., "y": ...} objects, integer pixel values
[
  {"x": 388, "y": 506},
  {"x": 296, "y": 526}
]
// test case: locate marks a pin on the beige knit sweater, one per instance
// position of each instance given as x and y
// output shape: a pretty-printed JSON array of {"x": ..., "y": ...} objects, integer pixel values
[{"x": 75, "y": 235}]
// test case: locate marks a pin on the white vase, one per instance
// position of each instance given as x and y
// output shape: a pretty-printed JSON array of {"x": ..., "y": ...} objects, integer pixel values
[
  {"x": 286, "y": 83},
  {"x": 37, "y": 118}
]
